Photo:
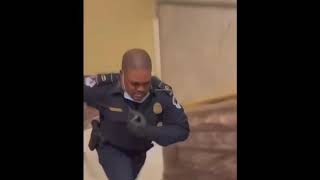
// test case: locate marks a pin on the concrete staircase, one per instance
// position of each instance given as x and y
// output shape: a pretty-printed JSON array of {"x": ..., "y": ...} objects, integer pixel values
[{"x": 210, "y": 151}]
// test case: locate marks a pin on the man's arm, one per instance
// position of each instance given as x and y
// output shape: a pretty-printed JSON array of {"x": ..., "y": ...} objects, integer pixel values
[
  {"x": 92, "y": 94},
  {"x": 175, "y": 124},
  {"x": 104, "y": 79}
]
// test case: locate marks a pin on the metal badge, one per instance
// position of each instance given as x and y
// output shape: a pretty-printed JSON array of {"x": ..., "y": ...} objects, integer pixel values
[{"x": 157, "y": 108}]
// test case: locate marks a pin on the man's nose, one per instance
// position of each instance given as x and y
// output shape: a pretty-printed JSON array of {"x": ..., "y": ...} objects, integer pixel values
[{"x": 141, "y": 88}]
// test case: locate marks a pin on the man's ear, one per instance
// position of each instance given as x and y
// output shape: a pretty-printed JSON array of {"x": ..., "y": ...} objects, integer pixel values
[
  {"x": 122, "y": 79},
  {"x": 121, "y": 74}
]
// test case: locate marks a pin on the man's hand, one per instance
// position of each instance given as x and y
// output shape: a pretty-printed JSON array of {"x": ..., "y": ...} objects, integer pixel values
[{"x": 137, "y": 123}]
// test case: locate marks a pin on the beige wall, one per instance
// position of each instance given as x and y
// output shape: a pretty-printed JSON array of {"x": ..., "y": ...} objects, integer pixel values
[
  {"x": 110, "y": 28},
  {"x": 113, "y": 26},
  {"x": 198, "y": 48}
]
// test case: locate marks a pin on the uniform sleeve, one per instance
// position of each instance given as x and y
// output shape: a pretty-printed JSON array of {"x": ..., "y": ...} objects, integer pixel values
[
  {"x": 105, "y": 79},
  {"x": 92, "y": 95},
  {"x": 175, "y": 126}
]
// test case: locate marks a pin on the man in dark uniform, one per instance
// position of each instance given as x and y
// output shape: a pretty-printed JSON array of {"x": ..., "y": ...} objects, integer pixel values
[{"x": 135, "y": 109}]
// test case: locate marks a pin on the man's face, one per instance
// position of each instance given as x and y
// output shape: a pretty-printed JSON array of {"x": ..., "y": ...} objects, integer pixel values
[{"x": 137, "y": 82}]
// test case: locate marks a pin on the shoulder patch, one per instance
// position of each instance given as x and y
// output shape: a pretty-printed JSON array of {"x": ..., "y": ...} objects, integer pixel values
[
  {"x": 159, "y": 85},
  {"x": 175, "y": 102},
  {"x": 90, "y": 81}
]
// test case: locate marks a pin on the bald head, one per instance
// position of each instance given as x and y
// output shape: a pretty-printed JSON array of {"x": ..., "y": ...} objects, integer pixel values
[
  {"x": 136, "y": 73},
  {"x": 136, "y": 59}
]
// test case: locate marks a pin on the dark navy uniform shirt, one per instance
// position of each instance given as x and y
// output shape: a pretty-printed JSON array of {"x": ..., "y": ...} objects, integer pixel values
[{"x": 164, "y": 115}]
